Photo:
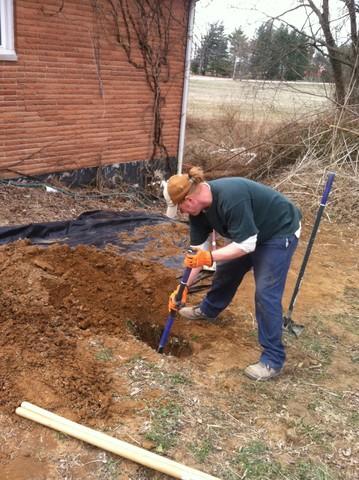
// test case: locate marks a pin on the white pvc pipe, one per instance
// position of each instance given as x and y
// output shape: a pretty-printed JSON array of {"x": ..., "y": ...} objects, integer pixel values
[
  {"x": 187, "y": 70},
  {"x": 106, "y": 442}
]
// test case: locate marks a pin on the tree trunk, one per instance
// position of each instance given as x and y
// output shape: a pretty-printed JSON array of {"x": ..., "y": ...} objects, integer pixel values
[
  {"x": 354, "y": 84},
  {"x": 332, "y": 50},
  {"x": 335, "y": 62}
]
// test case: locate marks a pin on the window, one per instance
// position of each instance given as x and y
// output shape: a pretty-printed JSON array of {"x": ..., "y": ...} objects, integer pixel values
[{"x": 7, "y": 50}]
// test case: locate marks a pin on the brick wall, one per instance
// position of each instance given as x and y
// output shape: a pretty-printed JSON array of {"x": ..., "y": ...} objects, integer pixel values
[{"x": 72, "y": 99}]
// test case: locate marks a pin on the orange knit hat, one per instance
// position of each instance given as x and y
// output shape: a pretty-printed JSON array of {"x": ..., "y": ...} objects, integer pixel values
[{"x": 178, "y": 187}]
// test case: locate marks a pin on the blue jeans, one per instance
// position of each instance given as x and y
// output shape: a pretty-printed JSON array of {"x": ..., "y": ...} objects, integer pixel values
[{"x": 270, "y": 262}]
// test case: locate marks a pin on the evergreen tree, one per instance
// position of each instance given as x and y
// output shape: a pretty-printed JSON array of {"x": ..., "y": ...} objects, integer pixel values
[
  {"x": 297, "y": 57},
  {"x": 261, "y": 58},
  {"x": 239, "y": 52},
  {"x": 212, "y": 55},
  {"x": 280, "y": 54}
]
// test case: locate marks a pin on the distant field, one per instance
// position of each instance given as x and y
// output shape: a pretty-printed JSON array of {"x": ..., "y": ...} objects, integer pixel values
[{"x": 209, "y": 96}]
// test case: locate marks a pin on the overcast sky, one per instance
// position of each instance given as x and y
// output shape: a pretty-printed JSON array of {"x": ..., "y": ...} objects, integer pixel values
[{"x": 247, "y": 14}]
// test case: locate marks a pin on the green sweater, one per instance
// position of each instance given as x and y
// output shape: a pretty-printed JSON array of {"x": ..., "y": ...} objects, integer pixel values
[{"x": 242, "y": 208}]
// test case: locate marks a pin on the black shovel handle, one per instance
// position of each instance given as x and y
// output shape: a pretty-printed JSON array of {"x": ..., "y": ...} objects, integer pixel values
[{"x": 323, "y": 203}]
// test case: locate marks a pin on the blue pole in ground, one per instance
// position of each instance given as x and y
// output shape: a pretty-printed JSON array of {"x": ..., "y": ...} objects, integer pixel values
[{"x": 288, "y": 322}]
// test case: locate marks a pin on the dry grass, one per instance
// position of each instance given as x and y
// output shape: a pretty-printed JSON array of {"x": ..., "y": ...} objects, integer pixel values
[
  {"x": 292, "y": 153},
  {"x": 259, "y": 100}
]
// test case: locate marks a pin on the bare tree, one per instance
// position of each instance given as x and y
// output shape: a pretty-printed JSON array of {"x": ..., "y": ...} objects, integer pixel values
[
  {"x": 338, "y": 56},
  {"x": 321, "y": 31}
]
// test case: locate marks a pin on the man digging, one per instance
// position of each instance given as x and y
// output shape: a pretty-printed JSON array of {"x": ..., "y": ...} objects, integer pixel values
[{"x": 264, "y": 228}]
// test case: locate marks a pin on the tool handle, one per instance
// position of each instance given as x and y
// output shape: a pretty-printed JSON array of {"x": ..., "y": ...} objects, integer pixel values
[
  {"x": 184, "y": 280},
  {"x": 166, "y": 331},
  {"x": 327, "y": 189},
  {"x": 172, "y": 314},
  {"x": 183, "y": 284},
  {"x": 323, "y": 202},
  {"x": 213, "y": 242}
]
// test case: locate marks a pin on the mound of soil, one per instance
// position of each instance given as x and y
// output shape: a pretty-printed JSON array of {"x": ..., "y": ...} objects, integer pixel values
[{"x": 51, "y": 300}]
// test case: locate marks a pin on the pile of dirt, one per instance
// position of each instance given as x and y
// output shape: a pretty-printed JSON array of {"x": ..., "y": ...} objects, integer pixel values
[
  {"x": 160, "y": 241},
  {"x": 51, "y": 301}
]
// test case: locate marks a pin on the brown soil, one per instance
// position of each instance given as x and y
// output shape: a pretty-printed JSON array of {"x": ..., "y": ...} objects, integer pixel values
[
  {"x": 78, "y": 332},
  {"x": 50, "y": 300}
]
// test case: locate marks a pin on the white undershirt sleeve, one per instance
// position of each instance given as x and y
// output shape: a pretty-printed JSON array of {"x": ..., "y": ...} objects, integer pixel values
[
  {"x": 203, "y": 246},
  {"x": 248, "y": 245}
]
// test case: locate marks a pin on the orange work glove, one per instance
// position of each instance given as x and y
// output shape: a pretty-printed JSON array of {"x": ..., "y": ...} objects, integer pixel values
[
  {"x": 172, "y": 305},
  {"x": 199, "y": 258}
]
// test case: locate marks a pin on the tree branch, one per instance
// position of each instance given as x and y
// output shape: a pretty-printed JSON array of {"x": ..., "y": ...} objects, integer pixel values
[
  {"x": 350, "y": 4},
  {"x": 314, "y": 41}
]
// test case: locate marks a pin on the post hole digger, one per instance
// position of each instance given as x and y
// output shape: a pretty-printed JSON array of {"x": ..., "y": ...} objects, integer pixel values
[
  {"x": 181, "y": 294},
  {"x": 172, "y": 314},
  {"x": 288, "y": 323}
]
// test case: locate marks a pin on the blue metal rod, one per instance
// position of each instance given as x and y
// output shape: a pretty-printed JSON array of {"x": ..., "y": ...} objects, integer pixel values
[
  {"x": 323, "y": 203},
  {"x": 172, "y": 314}
]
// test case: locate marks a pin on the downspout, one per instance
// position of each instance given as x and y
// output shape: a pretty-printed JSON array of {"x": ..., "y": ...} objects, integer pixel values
[{"x": 187, "y": 70}]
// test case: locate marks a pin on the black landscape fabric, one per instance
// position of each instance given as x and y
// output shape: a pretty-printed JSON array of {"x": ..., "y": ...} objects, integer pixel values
[{"x": 97, "y": 228}]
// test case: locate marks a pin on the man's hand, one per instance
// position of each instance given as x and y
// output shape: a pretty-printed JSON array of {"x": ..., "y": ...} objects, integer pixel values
[
  {"x": 199, "y": 258},
  {"x": 172, "y": 304}
]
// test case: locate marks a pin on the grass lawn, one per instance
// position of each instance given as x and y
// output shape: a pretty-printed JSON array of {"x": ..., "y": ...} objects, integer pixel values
[{"x": 209, "y": 96}]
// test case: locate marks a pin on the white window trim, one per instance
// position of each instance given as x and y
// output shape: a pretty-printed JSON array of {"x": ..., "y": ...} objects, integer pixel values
[{"x": 7, "y": 46}]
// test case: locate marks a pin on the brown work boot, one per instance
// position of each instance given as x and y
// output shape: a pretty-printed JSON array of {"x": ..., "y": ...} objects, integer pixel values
[
  {"x": 195, "y": 313},
  {"x": 261, "y": 372}
]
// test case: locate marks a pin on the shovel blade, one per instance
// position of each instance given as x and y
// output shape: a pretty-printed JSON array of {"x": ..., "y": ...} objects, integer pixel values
[{"x": 292, "y": 327}]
